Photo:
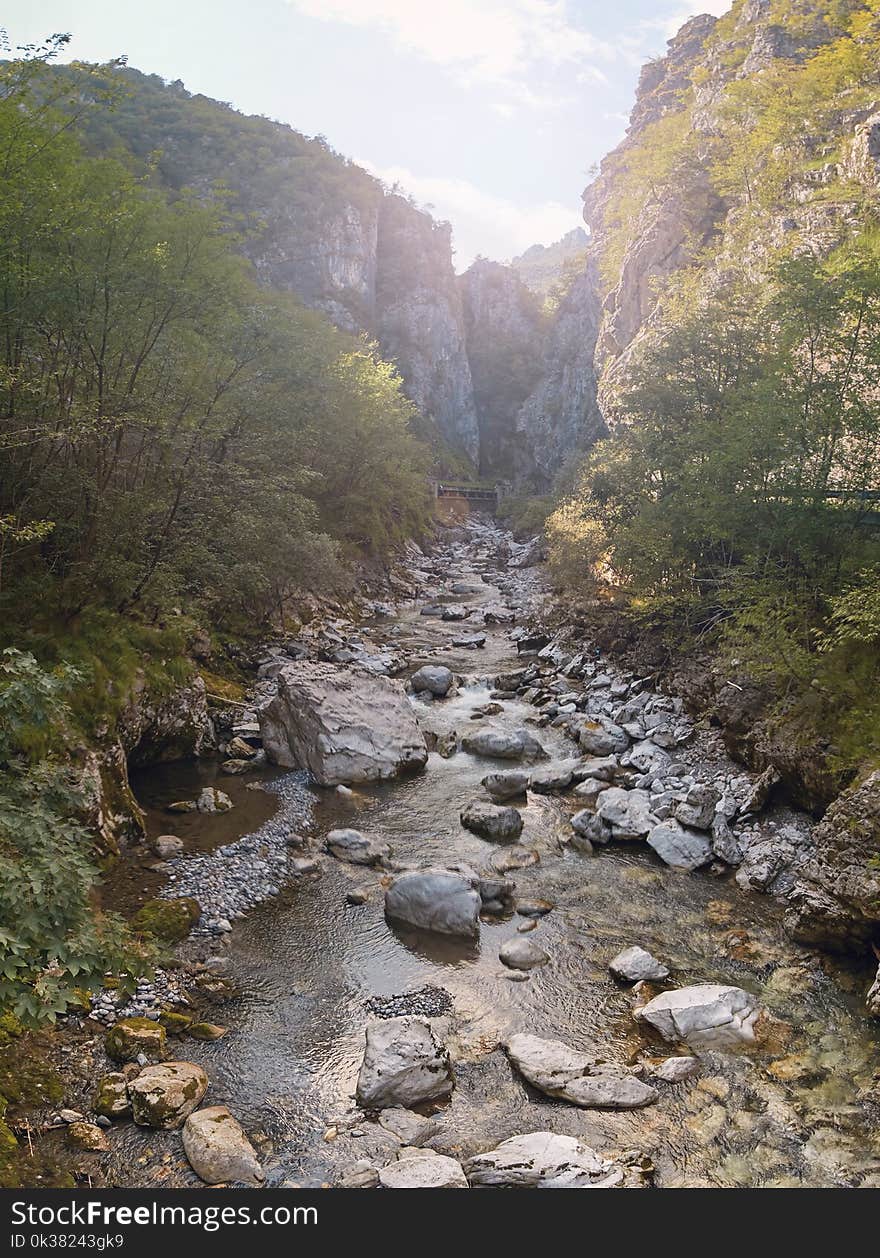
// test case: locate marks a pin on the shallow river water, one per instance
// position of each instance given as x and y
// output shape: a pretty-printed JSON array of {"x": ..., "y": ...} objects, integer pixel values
[{"x": 800, "y": 1110}]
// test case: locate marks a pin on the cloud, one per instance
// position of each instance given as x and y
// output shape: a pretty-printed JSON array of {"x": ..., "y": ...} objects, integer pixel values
[
  {"x": 672, "y": 22},
  {"x": 481, "y": 41},
  {"x": 479, "y": 216}
]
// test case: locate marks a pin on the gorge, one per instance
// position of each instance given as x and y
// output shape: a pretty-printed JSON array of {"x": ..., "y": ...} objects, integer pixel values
[{"x": 538, "y": 850}]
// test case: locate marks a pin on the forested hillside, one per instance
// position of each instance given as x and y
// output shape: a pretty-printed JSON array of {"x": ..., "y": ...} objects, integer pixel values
[{"x": 737, "y": 241}]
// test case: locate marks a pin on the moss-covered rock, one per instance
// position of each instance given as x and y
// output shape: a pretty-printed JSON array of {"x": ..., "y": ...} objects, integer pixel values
[
  {"x": 207, "y": 1031},
  {"x": 168, "y": 920},
  {"x": 162, "y": 1096},
  {"x": 87, "y": 1136},
  {"x": 130, "y": 1037},
  {"x": 175, "y": 1023},
  {"x": 111, "y": 1098}
]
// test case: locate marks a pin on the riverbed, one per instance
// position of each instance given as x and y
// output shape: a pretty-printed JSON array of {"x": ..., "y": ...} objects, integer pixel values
[{"x": 800, "y": 1110}]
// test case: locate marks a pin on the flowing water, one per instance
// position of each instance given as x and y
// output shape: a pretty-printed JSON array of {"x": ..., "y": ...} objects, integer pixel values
[{"x": 797, "y": 1111}]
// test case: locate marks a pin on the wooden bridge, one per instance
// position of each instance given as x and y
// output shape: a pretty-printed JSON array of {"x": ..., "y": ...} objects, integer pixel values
[{"x": 468, "y": 493}]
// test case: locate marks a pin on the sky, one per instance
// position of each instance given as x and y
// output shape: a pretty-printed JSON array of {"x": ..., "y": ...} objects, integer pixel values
[{"x": 489, "y": 112}]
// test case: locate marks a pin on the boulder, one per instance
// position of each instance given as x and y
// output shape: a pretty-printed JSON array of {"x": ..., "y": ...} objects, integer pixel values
[
  {"x": 646, "y": 757},
  {"x": 698, "y": 807},
  {"x": 162, "y": 1096},
  {"x": 680, "y": 848},
  {"x": 635, "y": 965},
  {"x": 404, "y": 1065},
  {"x": 212, "y": 800},
  {"x": 506, "y": 785},
  {"x": 519, "y": 744},
  {"x": 835, "y": 902},
  {"x": 410, "y": 1128},
  {"x": 492, "y": 821},
  {"x": 129, "y": 1038},
  {"x": 166, "y": 846},
  {"x": 603, "y": 768},
  {"x": 87, "y": 1136},
  {"x": 344, "y": 725},
  {"x": 218, "y": 1150},
  {"x": 589, "y": 829},
  {"x": 434, "y": 678},
  {"x": 627, "y": 813},
  {"x": 522, "y": 954},
  {"x": 111, "y": 1096},
  {"x": 543, "y": 1159},
  {"x": 558, "y": 1070},
  {"x": 356, "y": 848},
  {"x": 872, "y": 1000},
  {"x": 442, "y": 900},
  {"x": 707, "y": 1015},
  {"x": 600, "y": 736},
  {"x": 589, "y": 791},
  {"x": 557, "y": 777},
  {"x": 674, "y": 1069},
  {"x": 422, "y": 1168}
]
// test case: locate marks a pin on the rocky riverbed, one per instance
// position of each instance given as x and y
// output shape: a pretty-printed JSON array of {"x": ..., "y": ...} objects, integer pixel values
[{"x": 548, "y": 950}]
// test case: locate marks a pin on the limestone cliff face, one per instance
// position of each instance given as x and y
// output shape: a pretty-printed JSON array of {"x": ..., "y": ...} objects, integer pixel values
[
  {"x": 561, "y": 418},
  {"x": 505, "y": 330},
  {"x": 419, "y": 320}
]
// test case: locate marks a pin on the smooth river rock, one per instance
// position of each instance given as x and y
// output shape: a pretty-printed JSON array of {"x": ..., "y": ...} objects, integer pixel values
[
  {"x": 707, "y": 1015},
  {"x": 558, "y": 1070},
  {"x": 635, "y": 965},
  {"x": 434, "y": 678},
  {"x": 495, "y": 822},
  {"x": 345, "y": 726},
  {"x": 162, "y": 1096},
  {"x": 522, "y": 954},
  {"x": 422, "y": 1168},
  {"x": 218, "y": 1150},
  {"x": 356, "y": 848},
  {"x": 679, "y": 847},
  {"x": 404, "y": 1064},
  {"x": 443, "y": 900},
  {"x": 518, "y": 744},
  {"x": 502, "y": 786}
]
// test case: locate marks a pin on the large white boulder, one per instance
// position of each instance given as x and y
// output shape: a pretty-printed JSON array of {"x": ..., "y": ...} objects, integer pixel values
[
  {"x": 344, "y": 725},
  {"x": 404, "y": 1064},
  {"x": 218, "y": 1150},
  {"x": 542, "y": 1159},
  {"x": 600, "y": 736},
  {"x": 558, "y": 1070},
  {"x": 636, "y": 965},
  {"x": 443, "y": 900},
  {"x": 707, "y": 1015},
  {"x": 422, "y": 1168},
  {"x": 434, "y": 678}
]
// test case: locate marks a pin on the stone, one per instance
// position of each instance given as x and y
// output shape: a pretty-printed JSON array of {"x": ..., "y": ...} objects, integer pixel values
[
  {"x": 510, "y": 859},
  {"x": 678, "y": 847},
  {"x": 506, "y": 785},
  {"x": 522, "y": 954},
  {"x": 627, "y": 813},
  {"x": 602, "y": 737},
  {"x": 835, "y": 901},
  {"x": 517, "y": 744},
  {"x": 218, "y": 1149},
  {"x": 872, "y": 1000},
  {"x": 87, "y": 1136},
  {"x": 589, "y": 829},
  {"x": 207, "y": 1031},
  {"x": 212, "y": 800},
  {"x": 168, "y": 920},
  {"x": 443, "y": 900},
  {"x": 130, "y": 1038},
  {"x": 162, "y": 1096},
  {"x": 698, "y": 808},
  {"x": 635, "y": 965},
  {"x": 422, "y": 1168},
  {"x": 534, "y": 908},
  {"x": 361, "y": 1175},
  {"x": 543, "y": 1159},
  {"x": 707, "y": 1015},
  {"x": 404, "y": 1065},
  {"x": 345, "y": 726},
  {"x": 647, "y": 757},
  {"x": 674, "y": 1069},
  {"x": 166, "y": 846},
  {"x": 492, "y": 821},
  {"x": 410, "y": 1128},
  {"x": 472, "y": 642},
  {"x": 602, "y": 768},
  {"x": 589, "y": 790},
  {"x": 111, "y": 1096},
  {"x": 553, "y": 778},
  {"x": 356, "y": 848},
  {"x": 560, "y": 1071},
  {"x": 434, "y": 678}
]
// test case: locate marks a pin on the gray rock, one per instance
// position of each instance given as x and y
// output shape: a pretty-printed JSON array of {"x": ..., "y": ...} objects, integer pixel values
[
  {"x": 423, "y": 1168},
  {"x": 344, "y": 725},
  {"x": 434, "y": 678},
  {"x": 211, "y": 800},
  {"x": 443, "y": 900},
  {"x": 558, "y": 1070},
  {"x": 352, "y": 846},
  {"x": 218, "y": 1150},
  {"x": 163, "y": 1095},
  {"x": 647, "y": 757},
  {"x": 698, "y": 808},
  {"x": 674, "y": 1069},
  {"x": 554, "y": 778},
  {"x": 543, "y": 1159},
  {"x": 678, "y": 847},
  {"x": 506, "y": 785},
  {"x": 167, "y": 846},
  {"x": 518, "y": 744},
  {"x": 410, "y": 1128},
  {"x": 522, "y": 954},
  {"x": 635, "y": 965},
  {"x": 707, "y": 1015},
  {"x": 600, "y": 736},
  {"x": 404, "y": 1064},
  {"x": 492, "y": 821},
  {"x": 627, "y": 813}
]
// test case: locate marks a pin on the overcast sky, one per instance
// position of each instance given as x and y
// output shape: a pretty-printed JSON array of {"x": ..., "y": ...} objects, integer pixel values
[{"x": 490, "y": 111}]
